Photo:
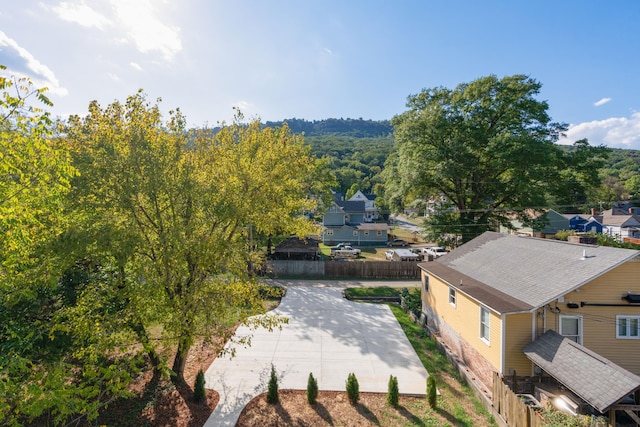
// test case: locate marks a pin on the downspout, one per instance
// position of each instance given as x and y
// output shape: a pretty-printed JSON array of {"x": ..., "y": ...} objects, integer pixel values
[
  {"x": 534, "y": 321},
  {"x": 503, "y": 339}
]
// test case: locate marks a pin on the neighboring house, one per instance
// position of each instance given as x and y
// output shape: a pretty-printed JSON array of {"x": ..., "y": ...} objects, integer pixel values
[
  {"x": 621, "y": 223},
  {"x": 370, "y": 210},
  {"x": 584, "y": 223},
  {"x": 505, "y": 303},
  {"x": 553, "y": 220},
  {"x": 344, "y": 221}
]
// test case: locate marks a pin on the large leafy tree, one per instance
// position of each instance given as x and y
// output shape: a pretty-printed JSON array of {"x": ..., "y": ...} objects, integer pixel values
[
  {"x": 488, "y": 148},
  {"x": 47, "y": 371},
  {"x": 172, "y": 211}
]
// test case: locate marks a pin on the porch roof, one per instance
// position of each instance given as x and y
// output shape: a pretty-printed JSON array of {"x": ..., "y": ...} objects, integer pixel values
[{"x": 595, "y": 379}]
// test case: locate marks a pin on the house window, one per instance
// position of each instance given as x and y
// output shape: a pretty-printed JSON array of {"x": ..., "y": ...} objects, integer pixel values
[
  {"x": 366, "y": 232},
  {"x": 425, "y": 282},
  {"x": 571, "y": 327},
  {"x": 452, "y": 296},
  {"x": 628, "y": 327},
  {"x": 355, "y": 233},
  {"x": 329, "y": 232},
  {"x": 485, "y": 325},
  {"x": 378, "y": 233}
]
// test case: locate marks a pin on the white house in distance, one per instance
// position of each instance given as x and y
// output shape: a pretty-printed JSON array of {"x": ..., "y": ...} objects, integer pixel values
[
  {"x": 621, "y": 222},
  {"x": 370, "y": 210}
]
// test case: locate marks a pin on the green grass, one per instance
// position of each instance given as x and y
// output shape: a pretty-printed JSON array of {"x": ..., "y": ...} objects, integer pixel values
[
  {"x": 435, "y": 362},
  {"x": 382, "y": 291}
]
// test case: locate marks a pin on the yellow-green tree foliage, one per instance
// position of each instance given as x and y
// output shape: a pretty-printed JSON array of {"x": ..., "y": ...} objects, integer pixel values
[{"x": 172, "y": 209}]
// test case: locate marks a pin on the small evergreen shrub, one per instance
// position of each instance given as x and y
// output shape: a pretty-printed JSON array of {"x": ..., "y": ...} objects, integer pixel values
[
  {"x": 272, "y": 391},
  {"x": 353, "y": 389},
  {"x": 432, "y": 392},
  {"x": 392, "y": 391},
  {"x": 199, "y": 395},
  {"x": 312, "y": 389}
]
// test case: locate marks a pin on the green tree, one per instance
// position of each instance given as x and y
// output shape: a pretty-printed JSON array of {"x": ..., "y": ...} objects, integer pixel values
[
  {"x": 47, "y": 371},
  {"x": 392, "y": 391},
  {"x": 488, "y": 147},
  {"x": 312, "y": 389},
  {"x": 432, "y": 392},
  {"x": 199, "y": 393},
  {"x": 353, "y": 389},
  {"x": 272, "y": 390},
  {"x": 352, "y": 190},
  {"x": 632, "y": 185},
  {"x": 172, "y": 211}
]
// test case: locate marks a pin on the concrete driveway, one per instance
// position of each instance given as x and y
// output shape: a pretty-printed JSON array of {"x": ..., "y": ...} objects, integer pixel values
[{"x": 326, "y": 335}]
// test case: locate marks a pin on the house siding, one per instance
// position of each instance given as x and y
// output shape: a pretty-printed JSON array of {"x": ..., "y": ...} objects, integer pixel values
[
  {"x": 333, "y": 218},
  {"x": 342, "y": 234},
  {"x": 599, "y": 323},
  {"x": 517, "y": 332},
  {"x": 459, "y": 328}
]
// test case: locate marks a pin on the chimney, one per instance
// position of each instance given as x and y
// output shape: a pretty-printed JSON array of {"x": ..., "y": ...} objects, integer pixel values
[{"x": 593, "y": 211}]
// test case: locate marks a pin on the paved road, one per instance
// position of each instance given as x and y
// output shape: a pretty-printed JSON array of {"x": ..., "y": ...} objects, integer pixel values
[{"x": 326, "y": 335}]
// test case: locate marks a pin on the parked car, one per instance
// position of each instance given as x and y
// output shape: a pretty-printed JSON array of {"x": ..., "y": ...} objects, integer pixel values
[
  {"x": 404, "y": 255},
  {"x": 436, "y": 251},
  {"x": 347, "y": 251},
  {"x": 418, "y": 252},
  {"x": 397, "y": 242},
  {"x": 339, "y": 246}
]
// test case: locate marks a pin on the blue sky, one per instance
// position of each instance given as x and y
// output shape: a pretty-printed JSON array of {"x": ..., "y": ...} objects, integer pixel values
[{"x": 313, "y": 60}]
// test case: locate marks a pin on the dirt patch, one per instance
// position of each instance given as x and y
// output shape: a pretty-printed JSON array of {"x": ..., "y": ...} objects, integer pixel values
[
  {"x": 455, "y": 408},
  {"x": 160, "y": 402}
]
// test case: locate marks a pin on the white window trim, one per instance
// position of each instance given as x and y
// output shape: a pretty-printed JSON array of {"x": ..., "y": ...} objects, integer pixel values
[
  {"x": 366, "y": 232},
  {"x": 453, "y": 298},
  {"x": 573, "y": 316},
  {"x": 486, "y": 340},
  {"x": 628, "y": 318}
]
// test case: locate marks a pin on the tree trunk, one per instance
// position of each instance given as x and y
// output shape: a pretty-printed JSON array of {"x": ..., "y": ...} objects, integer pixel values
[
  {"x": 180, "y": 361},
  {"x": 143, "y": 338}
]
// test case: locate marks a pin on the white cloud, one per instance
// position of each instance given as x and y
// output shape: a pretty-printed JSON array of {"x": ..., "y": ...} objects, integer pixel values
[
  {"x": 129, "y": 21},
  {"x": 138, "y": 19},
  {"x": 81, "y": 14},
  {"x": 135, "y": 65},
  {"x": 615, "y": 132},
  {"x": 327, "y": 50},
  {"x": 21, "y": 62},
  {"x": 113, "y": 77},
  {"x": 601, "y": 102}
]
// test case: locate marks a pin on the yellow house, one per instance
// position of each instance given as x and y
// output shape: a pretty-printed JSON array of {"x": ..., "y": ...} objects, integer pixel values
[{"x": 497, "y": 294}]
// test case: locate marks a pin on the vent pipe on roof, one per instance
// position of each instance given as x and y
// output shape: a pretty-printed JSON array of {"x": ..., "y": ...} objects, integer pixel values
[{"x": 584, "y": 254}]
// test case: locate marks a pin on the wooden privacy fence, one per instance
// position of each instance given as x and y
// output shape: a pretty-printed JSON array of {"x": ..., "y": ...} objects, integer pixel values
[
  {"x": 511, "y": 407},
  {"x": 346, "y": 269}
]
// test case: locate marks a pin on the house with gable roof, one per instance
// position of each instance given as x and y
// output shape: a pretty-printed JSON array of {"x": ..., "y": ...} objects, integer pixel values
[
  {"x": 584, "y": 223},
  {"x": 370, "y": 210},
  {"x": 344, "y": 221},
  {"x": 621, "y": 222},
  {"x": 544, "y": 224},
  {"x": 512, "y": 304}
]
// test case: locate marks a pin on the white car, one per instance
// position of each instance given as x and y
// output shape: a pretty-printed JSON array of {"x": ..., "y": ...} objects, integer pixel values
[{"x": 436, "y": 251}]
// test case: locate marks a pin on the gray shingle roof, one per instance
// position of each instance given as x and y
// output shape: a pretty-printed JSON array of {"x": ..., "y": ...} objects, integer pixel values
[
  {"x": 355, "y": 206},
  {"x": 596, "y": 380},
  {"x": 533, "y": 271}
]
